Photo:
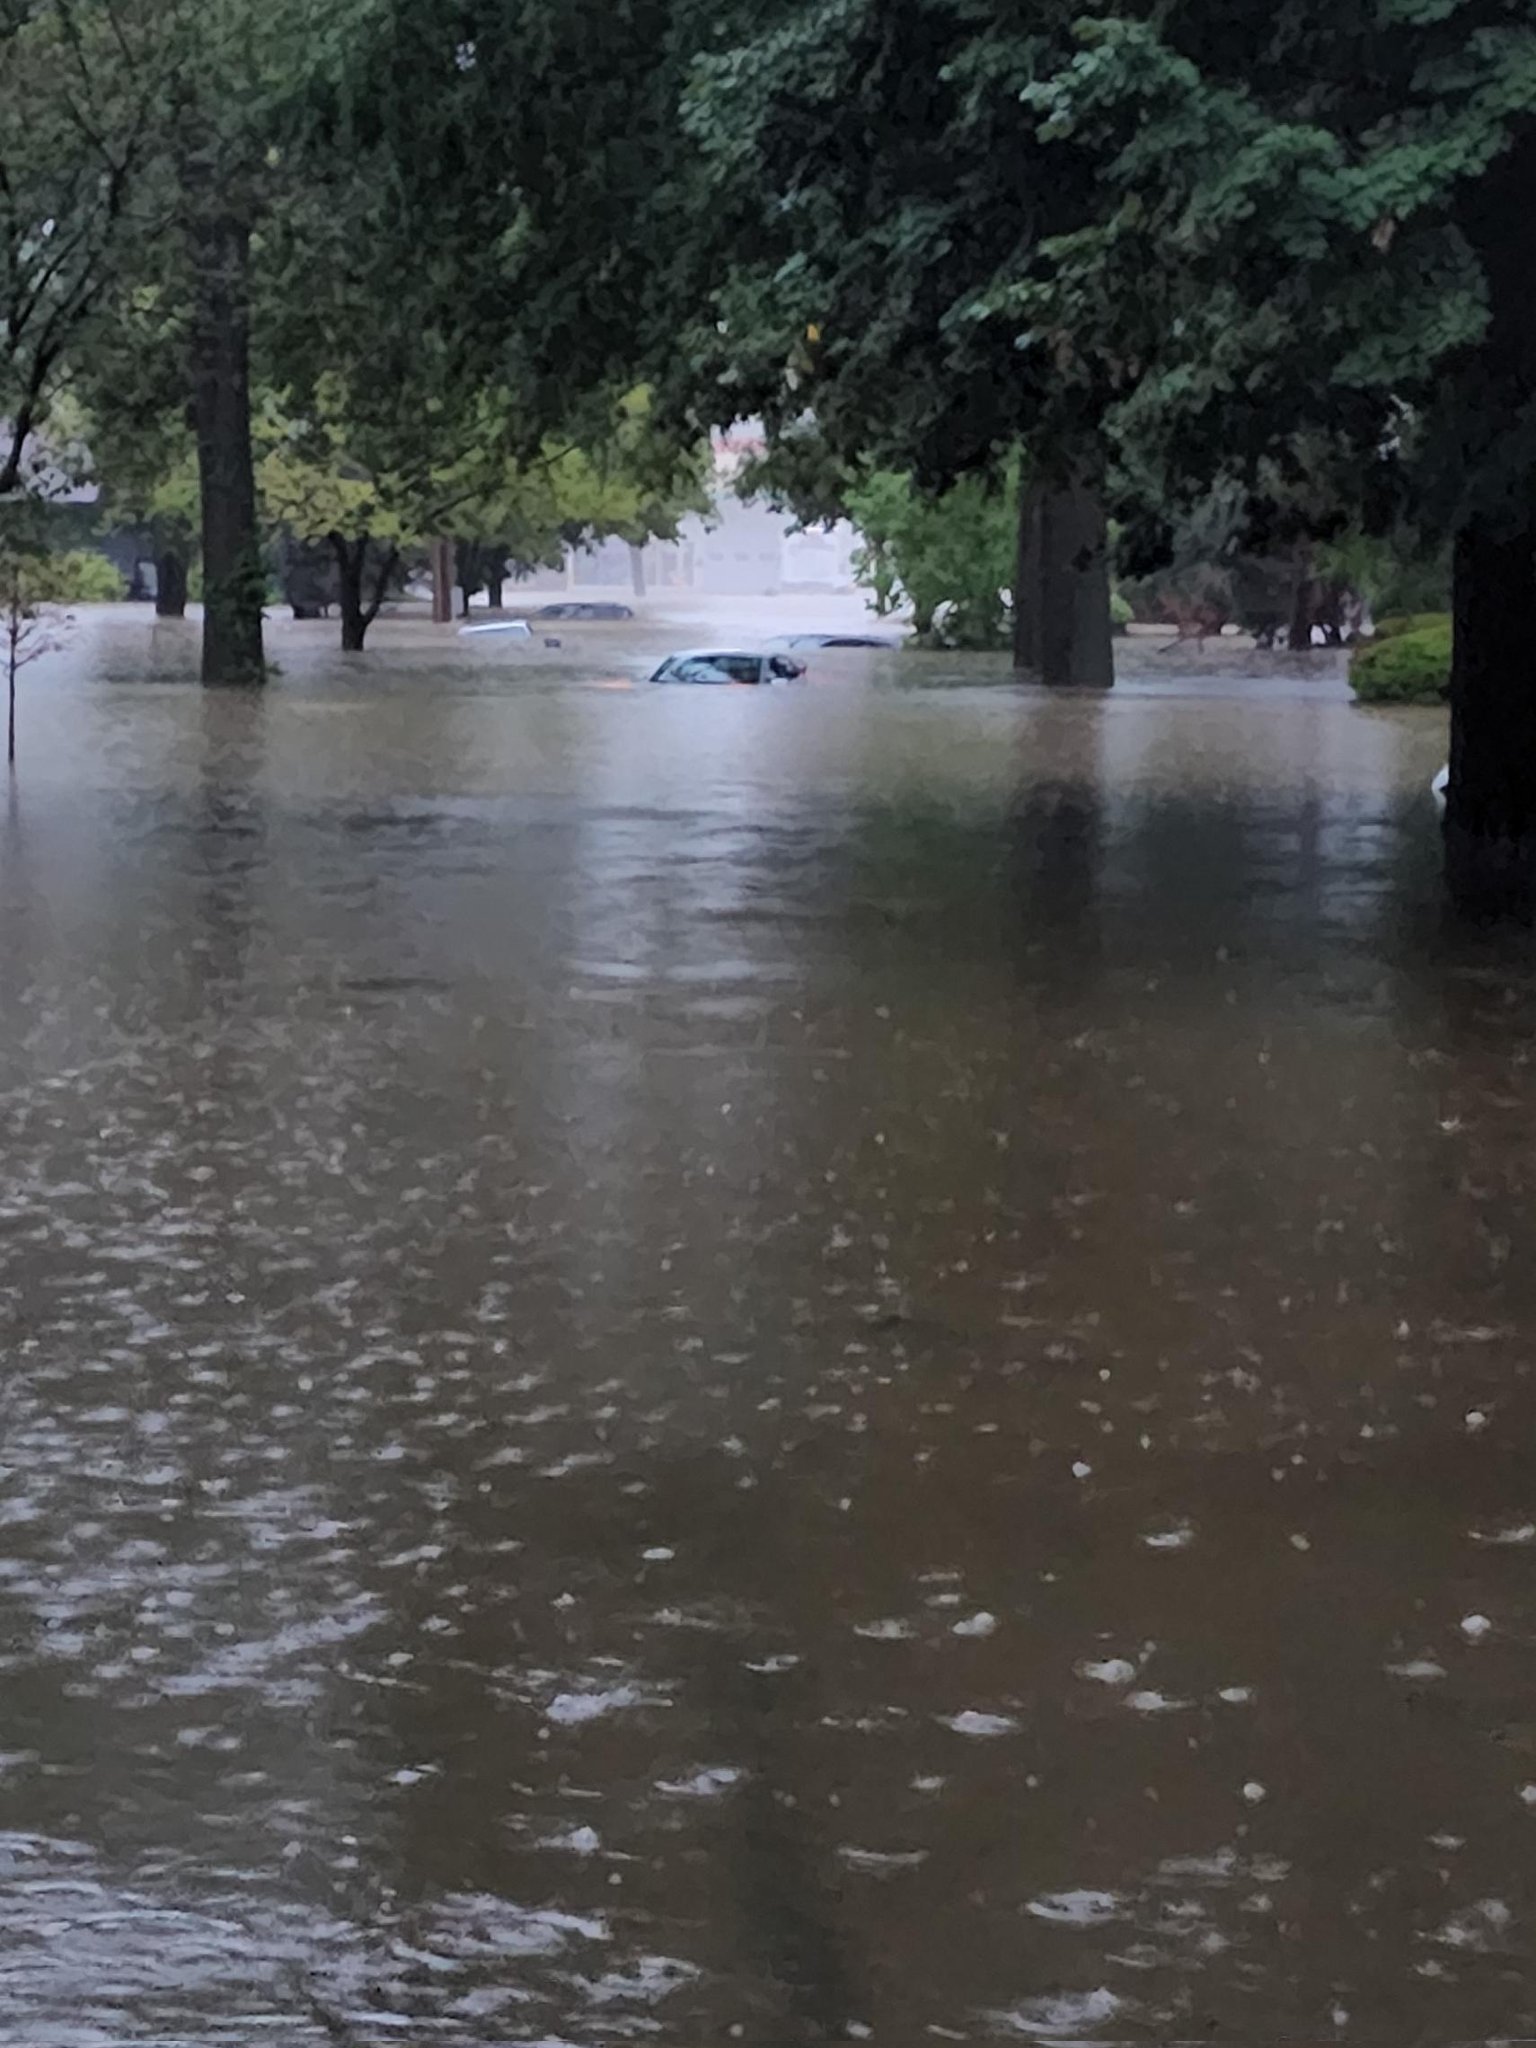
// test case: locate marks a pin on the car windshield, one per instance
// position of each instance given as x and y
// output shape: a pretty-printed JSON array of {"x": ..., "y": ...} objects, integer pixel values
[
  {"x": 711, "y": 668},
  {"x": 696, "y": 671}
]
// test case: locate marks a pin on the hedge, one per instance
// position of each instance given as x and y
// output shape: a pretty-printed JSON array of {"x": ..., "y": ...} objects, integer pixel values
[{"x": 1404, "y": 668}]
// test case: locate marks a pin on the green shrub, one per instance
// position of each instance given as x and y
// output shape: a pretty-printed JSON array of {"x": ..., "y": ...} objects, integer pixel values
[
  {"x": 1121, "y": 612},
  {"x": 951, "y": 557},
  {"x": 83, "y": 577},
  {"x": 1394, "y": 627},
  {"x": 1404, "y": 668}
]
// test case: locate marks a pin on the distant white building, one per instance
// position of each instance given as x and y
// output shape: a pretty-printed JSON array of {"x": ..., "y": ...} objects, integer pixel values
[{"x": 743, "y": 548}]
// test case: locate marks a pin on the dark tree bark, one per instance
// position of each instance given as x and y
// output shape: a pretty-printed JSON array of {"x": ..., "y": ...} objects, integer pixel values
[
  {"x": 349, "y": 574},
  {"x": 1490, "y": 824},
  {"x": 494, "y": 595},
  {"x": 1062, "y": 630},
  {"x": 221, "y": 406},
  {"x": 1076, "y": 634},
  {"x": 1027, "y": 583},
  {"x": 358, "y": 610},
  {"x": 442, "y": 582},
  {"x": 170, "y": 584}
]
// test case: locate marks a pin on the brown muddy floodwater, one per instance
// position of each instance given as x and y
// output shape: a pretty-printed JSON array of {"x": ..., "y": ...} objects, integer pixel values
[{"x": 722, "y": 1366}]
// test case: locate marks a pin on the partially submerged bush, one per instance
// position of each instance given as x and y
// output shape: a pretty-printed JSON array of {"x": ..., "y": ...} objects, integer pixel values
[{"x": 1405, "y": 668}]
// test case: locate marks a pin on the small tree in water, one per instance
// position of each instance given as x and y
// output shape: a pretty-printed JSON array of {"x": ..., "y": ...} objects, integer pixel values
[{"x": 30, "y": 624}]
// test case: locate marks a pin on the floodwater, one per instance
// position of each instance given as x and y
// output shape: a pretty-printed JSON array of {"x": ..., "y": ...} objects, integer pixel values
[{"x": 692, "y": 1367}]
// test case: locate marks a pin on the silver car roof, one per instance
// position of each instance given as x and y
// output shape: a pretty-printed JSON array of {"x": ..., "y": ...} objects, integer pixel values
[{"x": 718, "y": 654}]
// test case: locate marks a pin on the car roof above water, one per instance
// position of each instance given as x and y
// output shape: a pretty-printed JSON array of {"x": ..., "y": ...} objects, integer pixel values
[{"x": 717, "y": 653}]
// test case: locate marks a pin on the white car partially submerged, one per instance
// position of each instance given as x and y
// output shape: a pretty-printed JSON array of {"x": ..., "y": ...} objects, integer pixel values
[{"x": 729, "y": 665}]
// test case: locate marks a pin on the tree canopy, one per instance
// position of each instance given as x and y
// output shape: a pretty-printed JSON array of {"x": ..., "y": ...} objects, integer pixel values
[
  {"x": 1158, "y": 247},
  {"x": 1139, "y": 256}
]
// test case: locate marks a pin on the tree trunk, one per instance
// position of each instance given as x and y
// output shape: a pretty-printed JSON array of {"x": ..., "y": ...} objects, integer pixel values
[
  {"x": 1490, "y": 821},
  {"x": 442, "y": 582},
  {"x": 170, "y": 584},
  {"x": 1303, "y": 595},
  {"x": 221, "y": 404},
  {"x": 494, "y": 596},
  {"x": 10, "y": 713},
  {"x": 468, "y": 560},
  {"x": 358, "y": 611},
  {"x": 1028, "y": 593},
  {"x": 637, "y": 570},
  {"x": 349, "y": 583},
  {"x": 1076, "y": 636}
]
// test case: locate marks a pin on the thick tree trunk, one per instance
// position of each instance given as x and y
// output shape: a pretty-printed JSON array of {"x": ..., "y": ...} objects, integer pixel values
[
  {"x": 1490, "y": 823},
  {"x": 170, "y": 584},
  {"x": 1076, "y": 635},
  {"x": 221, "y": 404},
  {"x": 1028, "y": 593},
  {"x": 494, "y": 596},
  {"x": 14, "y": 618}
]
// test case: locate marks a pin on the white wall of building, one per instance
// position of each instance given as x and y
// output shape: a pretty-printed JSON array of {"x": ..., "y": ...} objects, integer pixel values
[{"x": 744, "y": 549}]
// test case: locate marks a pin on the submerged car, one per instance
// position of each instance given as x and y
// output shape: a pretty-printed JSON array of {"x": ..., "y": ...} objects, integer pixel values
[
  {"x": 728, "y": 665},
  {"x": 835, "y": 640},
  {"x": 581, "y": 608},
  {"x": 519, "y": 629}
]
